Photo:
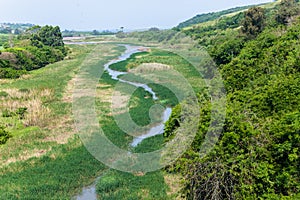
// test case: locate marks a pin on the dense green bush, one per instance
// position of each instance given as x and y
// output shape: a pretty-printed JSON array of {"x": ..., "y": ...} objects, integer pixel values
[
  {"x": 46, "y": 47},
  {"x": 11, "y": 73},
  {"x": 257, "y": 156},
  {"x": 4, "y": 135}
]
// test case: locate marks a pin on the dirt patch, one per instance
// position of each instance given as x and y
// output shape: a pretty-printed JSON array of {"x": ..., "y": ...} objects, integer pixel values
[
  {"x": 151, "y": 67},
  {"x": 119, "y": 103},
  {"x": 104, "y": 92},
  {"x": 67, "y": 96},
  {"x": 36, "y": 153},
  {"x": 9, "y": 57},
  {"x": 36, "y": 114}
]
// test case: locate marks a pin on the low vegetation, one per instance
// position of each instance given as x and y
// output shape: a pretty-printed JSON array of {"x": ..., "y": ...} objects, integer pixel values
[{"x": 41, "y": 156}]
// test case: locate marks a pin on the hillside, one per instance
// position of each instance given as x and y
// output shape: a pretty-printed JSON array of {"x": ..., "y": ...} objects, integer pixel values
[
  {"x": 210, "y": 17},
  {"x": 257, "y": 156}
]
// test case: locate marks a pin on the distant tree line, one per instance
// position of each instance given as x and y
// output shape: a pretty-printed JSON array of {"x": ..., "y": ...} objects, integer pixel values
[{"x": 14, "y": 28}]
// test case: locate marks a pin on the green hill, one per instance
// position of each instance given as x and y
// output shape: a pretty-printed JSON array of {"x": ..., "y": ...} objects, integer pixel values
[{"x": 201, "y": 18}]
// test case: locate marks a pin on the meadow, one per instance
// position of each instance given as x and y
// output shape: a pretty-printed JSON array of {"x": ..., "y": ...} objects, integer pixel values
[{"x": 44, "y": 159}]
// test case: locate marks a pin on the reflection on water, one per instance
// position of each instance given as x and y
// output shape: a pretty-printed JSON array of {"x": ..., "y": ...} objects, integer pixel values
[{"x": 156, "y": 130}]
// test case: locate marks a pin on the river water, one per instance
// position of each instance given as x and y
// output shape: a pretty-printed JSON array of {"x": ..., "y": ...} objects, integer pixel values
[{"x": 89, "y": 193}]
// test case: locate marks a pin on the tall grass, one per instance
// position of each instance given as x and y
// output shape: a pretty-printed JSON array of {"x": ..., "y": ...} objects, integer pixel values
[
  {"x": 36, "y": 113},
  {"x": 34, "y": 163}
]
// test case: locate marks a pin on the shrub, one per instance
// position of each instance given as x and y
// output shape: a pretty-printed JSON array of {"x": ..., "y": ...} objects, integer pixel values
[
  {"x": 3, "y": 94},
  {"x": 21, "y": 112},
  {"x": 4, "y": 135},
  {"x": 7, "y": 113},
  {"x": 108, "y": 184}
]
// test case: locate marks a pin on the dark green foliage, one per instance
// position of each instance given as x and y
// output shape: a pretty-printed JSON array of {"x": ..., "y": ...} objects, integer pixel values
[
  {"x": 24, "y": 58},
  {"x": 46, "y": 47},
  {"x": 11, "y": 73},
  {"x": 21, "y": 112},
  {"x": 173, "y": 122},
  {"x": 3, "y": 39},
  {"x": 262, "y": 58},
  {"x": 285, "y": 152},
  {"x": 254, "y": 22},
  {"x": 257, "y": 156},
  {"x": 49, "y": 36},
  {"x": 7, "y": 113},
  {"x": 226, "y": 48},
  {"x": 4, "y": 135}
]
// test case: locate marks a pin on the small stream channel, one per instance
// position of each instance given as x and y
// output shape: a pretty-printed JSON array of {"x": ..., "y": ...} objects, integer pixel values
[{"x": 89, "y": 193}]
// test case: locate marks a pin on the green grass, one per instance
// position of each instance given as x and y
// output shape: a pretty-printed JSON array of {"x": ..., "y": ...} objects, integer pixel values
[
  {"x": 121, "y": 185},
  {"x": 57, "y": 175},
  {"x": 123, "y": 65},
  {"x": 60, "y": 171},
  {"x": 32, "y": 165}
]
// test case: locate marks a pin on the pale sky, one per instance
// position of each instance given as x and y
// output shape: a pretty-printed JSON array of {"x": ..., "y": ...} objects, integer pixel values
[{"x": 111, "y": 14}]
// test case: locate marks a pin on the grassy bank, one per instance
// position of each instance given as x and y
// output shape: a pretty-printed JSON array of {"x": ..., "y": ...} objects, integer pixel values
[
  {"x": 45, "y": 160},
  {"x": 154, "y": 185}
]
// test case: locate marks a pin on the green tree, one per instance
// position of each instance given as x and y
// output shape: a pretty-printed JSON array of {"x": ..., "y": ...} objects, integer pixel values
[
  {"x": 254, "y": 22},
  {"x": 287, "y": 9},
  {"x": 49, "y": 36}
]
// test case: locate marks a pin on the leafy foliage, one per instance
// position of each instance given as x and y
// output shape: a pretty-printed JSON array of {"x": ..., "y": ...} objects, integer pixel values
[
  {"x": 254, "y": 22},
  {"x": 34, "y": 49},
  {"x": 257, "y": 156},
  {"x": 4, "y": 135}
]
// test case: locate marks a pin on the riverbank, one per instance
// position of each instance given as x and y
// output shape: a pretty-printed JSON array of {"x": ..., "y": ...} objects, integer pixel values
[
  {"x": 47, "y": 160},
  {"x": 156, "y": 129},
  {"x": 50, "y": 162}
]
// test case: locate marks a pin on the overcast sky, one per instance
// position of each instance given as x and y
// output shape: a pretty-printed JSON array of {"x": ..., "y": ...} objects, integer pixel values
[{"x": 111, "y": 14}]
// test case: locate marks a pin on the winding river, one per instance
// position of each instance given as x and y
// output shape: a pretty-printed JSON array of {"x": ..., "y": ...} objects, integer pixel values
[{"x": 89, "y": 193}]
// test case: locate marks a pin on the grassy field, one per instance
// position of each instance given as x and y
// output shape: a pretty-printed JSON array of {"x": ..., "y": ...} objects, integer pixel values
[
  {"x": 155, "y": 185},
  {"x": 44, "y": 159}
]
